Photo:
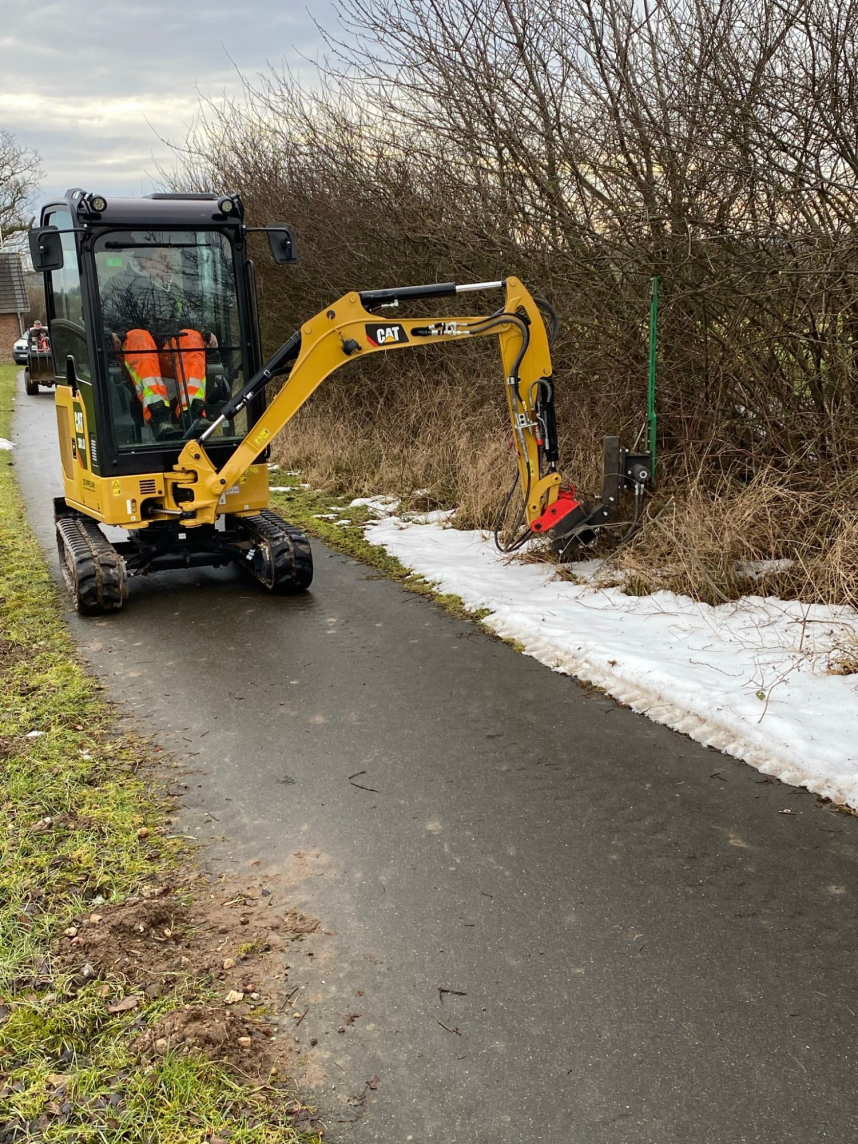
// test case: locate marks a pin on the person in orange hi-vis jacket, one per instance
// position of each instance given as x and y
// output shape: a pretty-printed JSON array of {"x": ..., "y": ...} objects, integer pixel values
[{"x": 144, "y": 310}]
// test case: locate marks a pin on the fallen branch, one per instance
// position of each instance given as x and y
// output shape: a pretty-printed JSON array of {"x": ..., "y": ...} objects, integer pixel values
[
  {"x": 360, "y": 786},
  {"x": 447, "y": 1027}
]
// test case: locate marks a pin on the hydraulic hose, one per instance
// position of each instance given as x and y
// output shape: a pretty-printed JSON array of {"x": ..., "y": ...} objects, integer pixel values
[
  {"x": 504, "y": 318},
  {"x": 554, "y": 328},
  {"x": 519, "y": 535}
]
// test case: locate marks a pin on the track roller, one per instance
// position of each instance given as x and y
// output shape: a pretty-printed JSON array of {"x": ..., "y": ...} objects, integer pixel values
[
  {"x": 93, "y": 570},
  {"x": 280, "y": 556}
]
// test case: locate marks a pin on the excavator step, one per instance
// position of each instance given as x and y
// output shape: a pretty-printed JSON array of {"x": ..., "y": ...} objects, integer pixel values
[
  {"x": 93, "y": 570},
  {"x": 280, "y": 557}
]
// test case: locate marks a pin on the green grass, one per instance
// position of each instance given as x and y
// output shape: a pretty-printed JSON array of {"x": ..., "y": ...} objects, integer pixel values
[{"x": 75, "y": 796}]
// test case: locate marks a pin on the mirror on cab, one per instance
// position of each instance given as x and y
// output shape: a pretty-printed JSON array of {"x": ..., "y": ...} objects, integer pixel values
[
  {"x": 46, "y": 248},
  {"x": 282, "y": 243}
]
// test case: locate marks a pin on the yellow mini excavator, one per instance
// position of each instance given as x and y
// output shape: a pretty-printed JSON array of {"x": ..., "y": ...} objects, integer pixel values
[{"x": 163, "y": 412}]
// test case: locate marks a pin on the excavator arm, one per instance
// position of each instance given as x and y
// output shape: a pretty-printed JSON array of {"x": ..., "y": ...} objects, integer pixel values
[{"x": 353, "y": 327}]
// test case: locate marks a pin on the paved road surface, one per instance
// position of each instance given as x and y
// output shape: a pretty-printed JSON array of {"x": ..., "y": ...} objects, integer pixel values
[{"x": 649, "y": 951}]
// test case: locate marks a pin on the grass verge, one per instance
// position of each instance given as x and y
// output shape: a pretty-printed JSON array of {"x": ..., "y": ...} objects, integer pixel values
[{"x": 81, "y": 824}]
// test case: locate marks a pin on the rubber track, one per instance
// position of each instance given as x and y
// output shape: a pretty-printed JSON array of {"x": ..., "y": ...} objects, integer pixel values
[
  {"x": 287, "y": 565},
  {"x": 93, "y": 570}
]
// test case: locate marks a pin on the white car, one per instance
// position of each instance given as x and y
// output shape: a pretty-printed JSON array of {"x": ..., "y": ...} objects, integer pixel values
[{"x": 19, "y": 351}]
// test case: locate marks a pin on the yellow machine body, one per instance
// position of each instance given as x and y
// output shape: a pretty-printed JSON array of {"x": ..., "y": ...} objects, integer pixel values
[
  {"x": 123, "y": 501},
  {"x": 170, "y": 275}
]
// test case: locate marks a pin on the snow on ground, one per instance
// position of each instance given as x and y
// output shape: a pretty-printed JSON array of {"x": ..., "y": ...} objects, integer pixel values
[
  {"x": 751, "y": 678},
  {"x": 377, "y": 506},
  {"x": 5, "y": 443}
]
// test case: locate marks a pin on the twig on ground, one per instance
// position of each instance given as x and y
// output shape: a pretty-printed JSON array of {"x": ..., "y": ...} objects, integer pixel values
[
  {"x": 360, "y": 786},
  {"x": 452, "y": 992},
  {"x": 447, "y": 1027}
]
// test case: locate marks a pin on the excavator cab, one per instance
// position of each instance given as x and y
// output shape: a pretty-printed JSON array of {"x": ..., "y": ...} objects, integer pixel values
[
  {"x": 151, "y": 306},
  {"x": 152, "y": 314}
]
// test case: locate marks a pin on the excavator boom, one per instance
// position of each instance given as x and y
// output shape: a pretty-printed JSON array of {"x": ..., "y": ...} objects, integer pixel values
[{"x": 353, "y": 327}]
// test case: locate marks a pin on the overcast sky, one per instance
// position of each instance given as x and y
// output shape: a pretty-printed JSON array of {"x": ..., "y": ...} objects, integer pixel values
[{"x": 79, "y": 80}]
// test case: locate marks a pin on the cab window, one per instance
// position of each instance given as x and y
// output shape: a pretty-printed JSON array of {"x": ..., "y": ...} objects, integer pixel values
[
  {"x": 68, "y": 333},
  {"x": 171, "y": 335}
]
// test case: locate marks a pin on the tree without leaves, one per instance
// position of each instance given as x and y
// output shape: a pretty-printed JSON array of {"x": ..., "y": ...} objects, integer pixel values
[
  {"x": 20, "y": 175},
  {"x": 586, "y": 146}
]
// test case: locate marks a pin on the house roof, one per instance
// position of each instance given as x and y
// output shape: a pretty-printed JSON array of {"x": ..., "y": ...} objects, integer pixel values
[{"x": 13, "y": 291}]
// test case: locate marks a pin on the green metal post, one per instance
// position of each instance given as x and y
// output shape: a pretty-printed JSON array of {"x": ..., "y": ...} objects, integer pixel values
[{"x": 651, "y": 416}]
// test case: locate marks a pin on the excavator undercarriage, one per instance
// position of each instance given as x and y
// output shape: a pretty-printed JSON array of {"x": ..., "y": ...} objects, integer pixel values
[{"x": 97, "y": 572}]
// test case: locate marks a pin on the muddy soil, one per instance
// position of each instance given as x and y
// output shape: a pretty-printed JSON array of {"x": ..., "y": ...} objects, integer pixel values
[{"x": 221, "y": 946}]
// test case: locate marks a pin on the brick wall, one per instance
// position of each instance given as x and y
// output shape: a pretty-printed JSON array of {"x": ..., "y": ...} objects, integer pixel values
[{"x": 10, "y": 331}]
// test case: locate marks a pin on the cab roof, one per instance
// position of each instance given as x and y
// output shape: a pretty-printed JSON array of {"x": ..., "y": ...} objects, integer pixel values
[{"x": 161, "y": 209}]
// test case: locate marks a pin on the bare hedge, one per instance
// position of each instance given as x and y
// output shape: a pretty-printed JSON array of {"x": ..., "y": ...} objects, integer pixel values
[{"x": 588, "y": 147}]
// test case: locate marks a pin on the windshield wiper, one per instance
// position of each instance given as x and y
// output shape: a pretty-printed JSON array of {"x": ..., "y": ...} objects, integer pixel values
[{"x": 152, "y": 245}]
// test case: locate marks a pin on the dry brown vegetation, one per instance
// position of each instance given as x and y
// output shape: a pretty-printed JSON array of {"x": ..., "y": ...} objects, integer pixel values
[{"x": 586, "y": 147}]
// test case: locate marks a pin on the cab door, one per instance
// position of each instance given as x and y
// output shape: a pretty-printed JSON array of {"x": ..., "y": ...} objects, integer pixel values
[{"x": 70, "y": 343}]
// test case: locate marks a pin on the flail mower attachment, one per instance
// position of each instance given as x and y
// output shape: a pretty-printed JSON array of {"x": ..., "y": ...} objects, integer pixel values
[{"x": 570, "y": 523}]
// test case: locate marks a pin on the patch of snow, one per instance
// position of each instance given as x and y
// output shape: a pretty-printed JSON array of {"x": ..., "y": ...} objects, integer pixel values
[
  {"x": 342, "y": 521},
  {"x": 749, "y": 678},
  {"x": 436, "y": 516},
  {"x": 758, "y": 569},
  {"x": 378, "y": 506},
  {"x": 5, "y": 443},
  {"x": 324, "y": 516}
]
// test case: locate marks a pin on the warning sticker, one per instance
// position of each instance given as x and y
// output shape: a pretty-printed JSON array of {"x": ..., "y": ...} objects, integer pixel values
[{"x": 116, "y": 489}]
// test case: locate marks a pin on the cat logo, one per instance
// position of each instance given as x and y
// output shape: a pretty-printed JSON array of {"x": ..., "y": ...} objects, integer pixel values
[
  {"x": 379, "y": 335},
  {"x": 78, "y": 421}
]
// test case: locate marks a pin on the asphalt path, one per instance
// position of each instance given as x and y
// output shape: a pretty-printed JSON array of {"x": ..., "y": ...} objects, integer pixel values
[{"x": 641, "y": 947}]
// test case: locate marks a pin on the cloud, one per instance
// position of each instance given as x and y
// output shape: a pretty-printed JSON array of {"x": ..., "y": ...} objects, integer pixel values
[
  {"x": 92, "y": 88},
  {"x": 97, "y": 113}
]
